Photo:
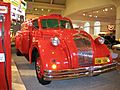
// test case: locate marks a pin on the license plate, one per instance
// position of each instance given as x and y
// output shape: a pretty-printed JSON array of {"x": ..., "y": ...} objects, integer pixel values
[{"x": 101, "y": 60}]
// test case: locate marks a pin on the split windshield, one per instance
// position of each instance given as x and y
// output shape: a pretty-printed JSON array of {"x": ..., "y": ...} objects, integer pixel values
[{"x": 54, "y": 23}]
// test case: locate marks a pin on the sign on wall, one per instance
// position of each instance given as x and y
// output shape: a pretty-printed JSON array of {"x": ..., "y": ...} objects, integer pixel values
[
  {"x": 18, "y": 8},
  {"x": 111, "y": 27}
]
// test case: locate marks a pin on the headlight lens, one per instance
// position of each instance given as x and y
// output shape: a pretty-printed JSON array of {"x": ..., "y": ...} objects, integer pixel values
[
  {"x": 100, "y": 40},
  {"x": 55, "y": 41},
  {"x": 54, "y": 66}
]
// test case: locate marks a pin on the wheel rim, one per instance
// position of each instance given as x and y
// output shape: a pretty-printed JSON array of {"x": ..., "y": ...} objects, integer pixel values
[{"x": 38, "y": 68}]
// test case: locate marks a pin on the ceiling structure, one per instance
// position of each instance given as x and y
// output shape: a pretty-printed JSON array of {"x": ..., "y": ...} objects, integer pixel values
[
  {"x": 105, "y": 14},
  {"x": 57, "y": 2},
  {"x": 45, "y": 7}
]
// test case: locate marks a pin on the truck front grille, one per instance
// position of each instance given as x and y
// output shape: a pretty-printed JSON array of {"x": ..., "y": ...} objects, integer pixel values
[{"x": 85, "y": 51}]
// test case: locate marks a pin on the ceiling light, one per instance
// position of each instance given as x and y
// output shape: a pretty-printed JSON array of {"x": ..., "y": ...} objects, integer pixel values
[
  {"x": 42, "y": 9},
  {"x": 111, "y": 8},
  {"x": 97, "y": 11},
  {"x": 83, "y": 14},
  {"x": 103, "y": 10},
  {"x": 35, "y": 9},
  {"x": 96, "y": 16},
  {"x": 106, "y": 9},
  {"x": 49, "y": 10},
  {"x": 90, "y": 15}
]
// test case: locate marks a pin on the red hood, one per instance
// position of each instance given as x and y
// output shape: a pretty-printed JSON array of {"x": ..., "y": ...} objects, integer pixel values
[{"x": 61, "y": 33}]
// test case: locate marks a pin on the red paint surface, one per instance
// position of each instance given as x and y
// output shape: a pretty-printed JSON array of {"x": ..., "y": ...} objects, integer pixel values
[
  {"x": 7, "y": 46},
  {"x": 65, "y": 53}
]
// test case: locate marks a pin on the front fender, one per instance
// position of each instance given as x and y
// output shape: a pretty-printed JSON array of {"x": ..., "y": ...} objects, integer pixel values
[
  {"x": 50, "y": 55},
  {"x": 32, "y": 46}
]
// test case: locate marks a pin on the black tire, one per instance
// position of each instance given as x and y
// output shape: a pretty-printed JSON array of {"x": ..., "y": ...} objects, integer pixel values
[
  {"x": 18, "y": 53},
  {"x": 40, "y": 78}
]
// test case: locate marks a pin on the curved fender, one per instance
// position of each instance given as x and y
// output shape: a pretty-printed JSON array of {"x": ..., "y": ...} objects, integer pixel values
[
  {"x": 30, "y": 51},
  {"x": 49, "y": 54},
  {"x": 39, "y": 49}
]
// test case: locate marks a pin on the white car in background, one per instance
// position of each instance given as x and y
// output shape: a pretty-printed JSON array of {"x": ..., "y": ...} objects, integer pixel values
[{"x": 116, "y": 48}]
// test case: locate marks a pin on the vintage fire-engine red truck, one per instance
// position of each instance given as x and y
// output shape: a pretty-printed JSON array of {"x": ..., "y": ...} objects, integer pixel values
[{"x": 59, "y": 51}]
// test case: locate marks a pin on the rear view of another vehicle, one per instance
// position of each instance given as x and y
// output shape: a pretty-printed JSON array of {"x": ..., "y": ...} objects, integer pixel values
[{"x": 110, "y": 40}]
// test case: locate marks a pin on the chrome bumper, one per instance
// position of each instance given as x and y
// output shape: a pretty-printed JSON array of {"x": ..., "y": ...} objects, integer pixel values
[{"x": 79, "y": 72}]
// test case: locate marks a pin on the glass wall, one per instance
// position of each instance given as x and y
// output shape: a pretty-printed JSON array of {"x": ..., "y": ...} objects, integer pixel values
[
  {"x": 97, "y": 27},
  {"x": 87, "y": 27}
]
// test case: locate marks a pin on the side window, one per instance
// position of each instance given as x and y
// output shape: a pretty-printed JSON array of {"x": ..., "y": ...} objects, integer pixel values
[
  {"x": 35, "y": 24},
  {"x": 65, "y": 24},
  {"x": 44, "y": 23}
]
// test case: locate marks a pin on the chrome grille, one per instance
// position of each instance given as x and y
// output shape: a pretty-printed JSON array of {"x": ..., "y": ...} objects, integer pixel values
[{"x": 85, "y": 51}]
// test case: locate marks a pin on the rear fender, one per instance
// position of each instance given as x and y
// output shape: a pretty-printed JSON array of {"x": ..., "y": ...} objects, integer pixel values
[{"x": 17, "y": 42}]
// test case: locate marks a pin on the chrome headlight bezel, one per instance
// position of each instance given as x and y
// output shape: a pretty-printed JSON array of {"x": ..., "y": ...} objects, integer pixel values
[
  {"x": 55, "y": 41},
  {"x": 100, "y": 40}
]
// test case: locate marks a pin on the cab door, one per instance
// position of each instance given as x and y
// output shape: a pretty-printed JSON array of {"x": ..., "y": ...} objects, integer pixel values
[{"x": 35, "y": 32}]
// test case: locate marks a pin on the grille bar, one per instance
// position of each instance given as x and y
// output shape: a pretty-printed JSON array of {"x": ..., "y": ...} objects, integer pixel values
[
  {"x": 85, "y": 52},
  {"x": 78, "y": 72}
]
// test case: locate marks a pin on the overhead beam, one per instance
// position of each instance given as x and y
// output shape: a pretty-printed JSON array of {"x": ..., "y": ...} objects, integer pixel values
[
  {"x": 45, "y": 5},
  {"x": 51, "y": 1}
]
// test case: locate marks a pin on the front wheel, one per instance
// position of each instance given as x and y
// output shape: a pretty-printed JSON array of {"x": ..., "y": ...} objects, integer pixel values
[{"x": 38, "y": 69}]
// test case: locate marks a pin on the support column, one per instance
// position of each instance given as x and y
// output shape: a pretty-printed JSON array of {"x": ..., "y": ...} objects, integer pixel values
[
  {"x": 118, "y": 22},
  {"x": 92, "y": 27}
]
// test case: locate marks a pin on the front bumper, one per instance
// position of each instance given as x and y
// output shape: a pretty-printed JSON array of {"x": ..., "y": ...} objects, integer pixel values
[{"x": 79, "y": 72}]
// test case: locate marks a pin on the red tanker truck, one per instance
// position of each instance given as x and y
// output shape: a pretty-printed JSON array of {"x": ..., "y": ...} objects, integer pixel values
[{"x": 61, "y": 52}]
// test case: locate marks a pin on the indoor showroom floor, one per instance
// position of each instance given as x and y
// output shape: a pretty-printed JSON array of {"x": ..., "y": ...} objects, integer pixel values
[{"x": 24, "y": 78}]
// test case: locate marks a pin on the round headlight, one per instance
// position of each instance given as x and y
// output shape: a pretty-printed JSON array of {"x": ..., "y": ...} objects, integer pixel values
[
  {"x": 101, "y": 40},
  {"x": 55, "y": 41}
]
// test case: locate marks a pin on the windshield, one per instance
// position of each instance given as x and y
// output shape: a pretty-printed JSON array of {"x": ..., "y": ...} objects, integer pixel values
[
  {"x": 65, "y": 24},
  {"x": 53, "y": 23}
]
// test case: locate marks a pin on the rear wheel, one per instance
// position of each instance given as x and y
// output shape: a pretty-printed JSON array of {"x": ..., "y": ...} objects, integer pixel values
[{"x": 38, "y": 69}]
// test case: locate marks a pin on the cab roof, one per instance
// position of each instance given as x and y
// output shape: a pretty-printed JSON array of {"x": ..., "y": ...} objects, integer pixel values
[{"x": 55, "y": 16}]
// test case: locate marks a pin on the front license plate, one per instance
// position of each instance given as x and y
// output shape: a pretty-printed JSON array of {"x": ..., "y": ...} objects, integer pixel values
[{"x": 101, "y": 60}]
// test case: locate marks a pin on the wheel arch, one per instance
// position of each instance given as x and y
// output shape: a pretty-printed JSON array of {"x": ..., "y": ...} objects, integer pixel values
[{"x": 32, "y": 52}]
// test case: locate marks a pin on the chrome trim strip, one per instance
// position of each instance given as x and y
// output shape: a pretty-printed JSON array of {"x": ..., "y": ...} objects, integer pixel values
[{"x": 79, "y": 72}]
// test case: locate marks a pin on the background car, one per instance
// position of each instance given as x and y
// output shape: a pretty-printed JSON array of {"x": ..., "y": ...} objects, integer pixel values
[{"x": 110, "y": 40}]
